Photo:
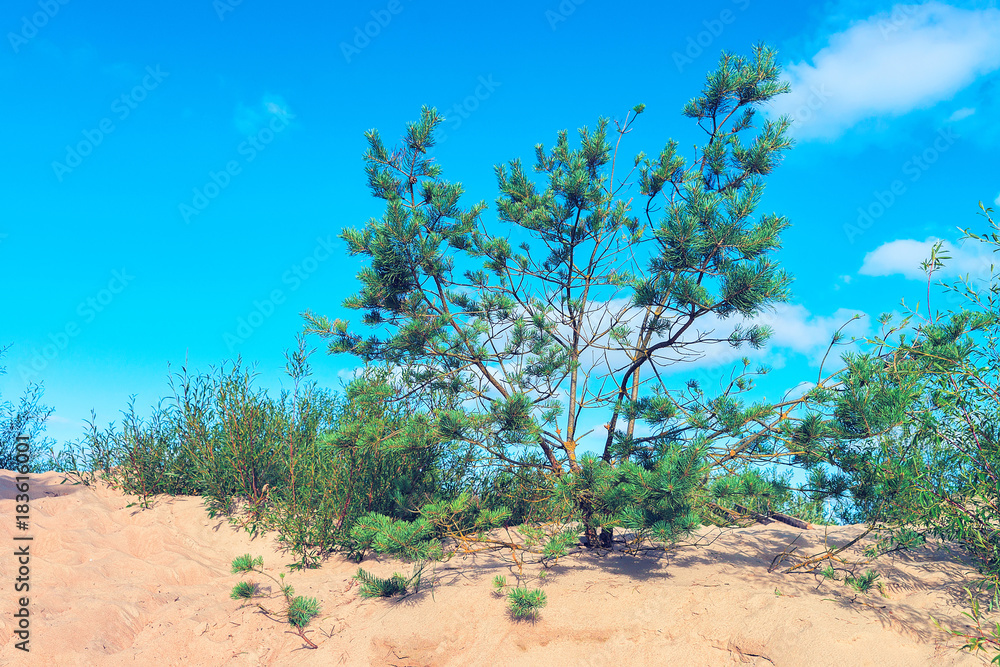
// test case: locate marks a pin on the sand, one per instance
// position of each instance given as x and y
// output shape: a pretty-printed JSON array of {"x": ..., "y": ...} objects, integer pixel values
[{"x": 118, "y": 585}]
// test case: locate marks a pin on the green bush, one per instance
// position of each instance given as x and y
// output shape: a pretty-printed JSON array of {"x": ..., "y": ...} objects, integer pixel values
[
  {"x": 376, "y": 458},
  {"x": 527, "y": 492},
  {"x": 308, "y": 464},
  {"x": 26, "y": 417},
  {"x": 915, "y": 423}
]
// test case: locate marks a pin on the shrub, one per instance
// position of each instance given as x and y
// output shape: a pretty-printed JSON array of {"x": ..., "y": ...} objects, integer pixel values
[
  {"x": 916, "y": 424},
  {"x": 307, "y": 464},
  {"x": 26, "y": 417}
]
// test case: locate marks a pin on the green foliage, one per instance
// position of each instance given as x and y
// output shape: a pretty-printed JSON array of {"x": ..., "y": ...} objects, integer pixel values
[
  {"x": 301, "y": 610},
  {"x": 243, "y": 590},
  {"x": 979, "y": 639},
  {"x": 385, "y": 535},
  {"x": 507, "y": 346},
  {"x": 217, "y": 437},
  {"x": 247, "y": 563},
  {"x": 915, "y": 425},
  {"x": 421, "y": 538},
  {"x": 396, "y": 585},
  {"x": 766, "y": 491},
  {"x": 656, "y": 502},
  {"x": 463, "y": 515},
  {"x": 377, "y": 458},
  {"x": 524, "y": 603},
  {"x": 526, "y": 491},
  {"x": 26, "y": 417},
  {"x": 307, "y": 464},
  {"x": 862, "y": 583},
  {"x": 558, "y": 545},
  {"x": 298, "y": 611}
]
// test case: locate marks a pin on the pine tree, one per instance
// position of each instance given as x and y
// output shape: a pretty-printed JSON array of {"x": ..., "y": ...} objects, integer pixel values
[{"x": 565, "y": 313}]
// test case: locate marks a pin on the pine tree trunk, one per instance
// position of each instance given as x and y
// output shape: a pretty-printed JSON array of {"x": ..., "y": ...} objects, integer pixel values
[
  {"x": 589, "y": 529},
  {"x": 606, "y": 538}
]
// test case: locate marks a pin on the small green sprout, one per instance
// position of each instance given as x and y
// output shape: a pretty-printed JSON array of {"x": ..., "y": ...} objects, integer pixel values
[
  {"x": 525, "y": 604},
  {"x": 863, "y": 583},
  {"x": 243, "y": 590}
]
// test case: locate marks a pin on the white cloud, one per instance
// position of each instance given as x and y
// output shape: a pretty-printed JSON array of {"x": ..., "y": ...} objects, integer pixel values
[
  {"x": 890, "y": 64},
  {"x": 961, "y": 114},
  {"x": 997, "y": 200},
  {"x": 904, "y": 256}
]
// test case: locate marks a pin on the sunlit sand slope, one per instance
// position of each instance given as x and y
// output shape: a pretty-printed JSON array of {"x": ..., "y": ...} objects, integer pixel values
[{"x": 118, "y": 585}]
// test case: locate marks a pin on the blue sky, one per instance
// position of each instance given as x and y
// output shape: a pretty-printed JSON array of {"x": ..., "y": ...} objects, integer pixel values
[{"x": 171, "y": 170}]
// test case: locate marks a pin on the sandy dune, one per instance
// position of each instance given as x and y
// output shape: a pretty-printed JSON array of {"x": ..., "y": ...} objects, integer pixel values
[{"x": 117, "y": 585}]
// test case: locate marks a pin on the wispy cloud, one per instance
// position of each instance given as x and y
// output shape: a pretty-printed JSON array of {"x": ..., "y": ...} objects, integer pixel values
[
  {"x": 961, "y": 114},
  {"x": 890, "y": 64}
]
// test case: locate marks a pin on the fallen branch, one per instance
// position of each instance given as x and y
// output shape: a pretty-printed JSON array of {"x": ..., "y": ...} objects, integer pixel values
[
  {"x": 814, "y": 561},
  {"x": 733, "y": 516},
  {"x": 791, "y": 520},
  {"x": 756, "y": 516},
  {"x": 774, "y": 516}
]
